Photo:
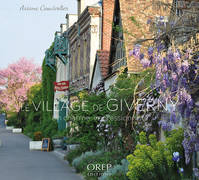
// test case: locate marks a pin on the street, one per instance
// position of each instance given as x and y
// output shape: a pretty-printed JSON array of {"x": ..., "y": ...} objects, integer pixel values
[{"x": 17, "y": 162}]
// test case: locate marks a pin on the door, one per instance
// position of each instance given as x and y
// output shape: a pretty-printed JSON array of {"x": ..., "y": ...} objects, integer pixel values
[{"x": 62, "y": 115}]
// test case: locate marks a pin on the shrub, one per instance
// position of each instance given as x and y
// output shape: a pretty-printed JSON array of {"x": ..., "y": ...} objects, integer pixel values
[
  {"x": 155, "y": 160},
  {"x": 37, "y": 136},
  {"x": 86, "y": 129},
  {"x": 59, "y": 134},
  {"x": 10, "y": 123},
  {"x": 76, "y": 162},
  {"x": 49, "y": 128},
  {"x": 12, "y": 119},
  {"x": 98, "y": 158},
  {"x": 73, "y": 154},
  {"x": 117, "y": 172}
]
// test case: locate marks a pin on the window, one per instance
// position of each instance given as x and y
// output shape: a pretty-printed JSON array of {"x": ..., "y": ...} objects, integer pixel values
[
  {"x": 85, "y": 57},
  {"x": 117, "y": 45},
  {"x": 178, "y": 4},
  {"x": 73, "y": 66},
  {"x": 78, "y": 63}
]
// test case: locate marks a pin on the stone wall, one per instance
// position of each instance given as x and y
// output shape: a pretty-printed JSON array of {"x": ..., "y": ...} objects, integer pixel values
[{"x": 135, "y": 14}]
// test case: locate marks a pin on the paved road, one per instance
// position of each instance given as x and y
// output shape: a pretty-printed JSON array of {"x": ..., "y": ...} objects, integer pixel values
[{"x": 18, "y": 163}]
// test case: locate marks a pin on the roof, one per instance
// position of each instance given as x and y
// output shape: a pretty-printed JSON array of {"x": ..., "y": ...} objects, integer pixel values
[{"x": 102, "y": 57}]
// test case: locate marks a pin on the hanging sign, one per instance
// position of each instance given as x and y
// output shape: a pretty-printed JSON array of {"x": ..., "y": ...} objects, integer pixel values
[{"x": 61, "y": 86}]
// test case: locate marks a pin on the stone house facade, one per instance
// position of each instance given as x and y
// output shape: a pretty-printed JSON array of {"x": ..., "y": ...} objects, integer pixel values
[
  {"x": 84, "y": 38},
  {"x": 90, "y": 39},
  {"x": 129, "y": 21},
  {"x": 62, "y": 72}
]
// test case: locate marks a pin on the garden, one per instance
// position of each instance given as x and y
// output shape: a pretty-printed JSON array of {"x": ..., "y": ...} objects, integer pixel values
[{"x": 147, "y": 125}]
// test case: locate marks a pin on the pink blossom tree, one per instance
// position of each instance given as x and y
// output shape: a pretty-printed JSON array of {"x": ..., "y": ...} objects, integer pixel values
[{"x": 15, "y": 81}]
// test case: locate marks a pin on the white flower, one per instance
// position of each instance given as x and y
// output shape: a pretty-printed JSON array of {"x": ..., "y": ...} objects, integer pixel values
[
  {"x": 181, "y": 170},
  {"x": 176, "y": 154}
]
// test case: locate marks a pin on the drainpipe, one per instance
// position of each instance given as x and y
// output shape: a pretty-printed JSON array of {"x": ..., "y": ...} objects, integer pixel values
[{"x": 101, "y": 25}]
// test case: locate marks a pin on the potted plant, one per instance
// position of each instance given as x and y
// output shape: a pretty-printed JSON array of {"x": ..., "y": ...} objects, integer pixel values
[{"x": 36, "y": 144}]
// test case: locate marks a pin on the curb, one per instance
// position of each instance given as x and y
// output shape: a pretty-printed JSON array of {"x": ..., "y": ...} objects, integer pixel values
[{"x": 59, "y": 154}]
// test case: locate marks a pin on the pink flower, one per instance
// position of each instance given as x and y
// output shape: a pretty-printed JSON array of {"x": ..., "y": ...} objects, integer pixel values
[{"x": 16, "y": 79}]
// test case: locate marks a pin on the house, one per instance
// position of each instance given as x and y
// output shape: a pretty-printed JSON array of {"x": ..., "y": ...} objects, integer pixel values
[
  {"x": 86, "y": 35},
  {"x": 101, "y": 66},
  {"x": 129, "y": 25},
  {"x": 84, "y": 39},
  {"x": 61, "y": 50}
]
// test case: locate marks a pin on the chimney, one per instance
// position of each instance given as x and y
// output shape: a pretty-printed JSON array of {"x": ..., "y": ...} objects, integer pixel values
[
  {"x": 82, "y": 4},
  {"x": 70, "y": 20},
  {"x": 107, "y": 20},
  {"x": 63, "y": 28}
]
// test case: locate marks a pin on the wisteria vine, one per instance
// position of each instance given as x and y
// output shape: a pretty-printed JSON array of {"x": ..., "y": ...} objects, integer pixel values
[{"x": 176, "y": 77}]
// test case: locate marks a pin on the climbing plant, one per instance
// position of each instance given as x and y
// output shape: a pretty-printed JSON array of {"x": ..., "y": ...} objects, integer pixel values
[
  {"x": 49, "y": 126},
  {"x": 174, "y": 56}
]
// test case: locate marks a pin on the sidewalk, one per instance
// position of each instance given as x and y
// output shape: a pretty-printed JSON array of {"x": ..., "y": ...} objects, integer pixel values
[
  {"x": 19, "y": 163},
  {"x": 61, "y": 154}
]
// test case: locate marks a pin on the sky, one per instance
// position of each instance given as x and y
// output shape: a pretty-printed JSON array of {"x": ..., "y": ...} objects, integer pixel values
[{"x": 27, "y": 30}]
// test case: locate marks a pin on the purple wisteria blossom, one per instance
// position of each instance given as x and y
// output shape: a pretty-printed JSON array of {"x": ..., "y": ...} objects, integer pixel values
[
  {"x": 177, "y": 73},
  {"x": 150, "y": 51},
  {"x": 177, "y": 55},
  {"x": 173, "y": 118},
  {"x": 145, "y": 62},
  {"x": 149, "y": 21},
  {"x": 141, "y": 56},
  {"x": 196, "y": 172},
  {"x": 185, "y": 66},
  {"x": 136, "y": 51},
  {"x": 131, "y": 53},
  {"x": 188, "y": 149},
  {"x": 166, "y": 126}
]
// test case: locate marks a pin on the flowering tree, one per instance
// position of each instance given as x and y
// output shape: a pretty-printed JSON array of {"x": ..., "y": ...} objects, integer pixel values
[{"x": 15, "y": 81}]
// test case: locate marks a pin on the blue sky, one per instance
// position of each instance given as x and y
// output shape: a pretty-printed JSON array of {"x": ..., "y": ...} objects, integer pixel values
[{"x": 26, "y": 33}]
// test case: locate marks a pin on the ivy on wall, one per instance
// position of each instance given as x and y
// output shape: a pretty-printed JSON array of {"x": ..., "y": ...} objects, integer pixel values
[
  {"x": 42, "y": 95},
  {"x": 49, "y": 126}
]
